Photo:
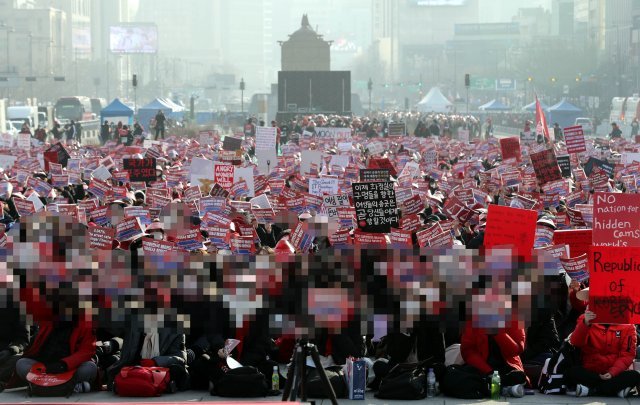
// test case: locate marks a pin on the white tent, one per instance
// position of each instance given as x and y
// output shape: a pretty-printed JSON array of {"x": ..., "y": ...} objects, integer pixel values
[{"x": 435, "y": 101}]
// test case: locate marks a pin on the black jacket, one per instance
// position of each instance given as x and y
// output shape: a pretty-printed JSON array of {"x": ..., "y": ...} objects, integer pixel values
[{"x": 14, "y": 335}]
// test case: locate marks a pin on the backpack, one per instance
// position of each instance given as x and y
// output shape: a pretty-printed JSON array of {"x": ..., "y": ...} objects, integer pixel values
[
  {"x": 315, "y": 389},
  {"x": 552, "y": 377},
  {"x": 141, "y": 381},
  {"x": 460, "y": 382},
  {"x": 42, "y": 384},
  {"x": 241, "y": 382},
  {"x": 405, "y": 382}
]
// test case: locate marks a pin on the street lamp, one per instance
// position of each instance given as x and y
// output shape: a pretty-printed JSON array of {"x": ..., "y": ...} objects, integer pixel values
[
  {"x": 370, "y": 88},
  {"x": 242, "y": 87}
]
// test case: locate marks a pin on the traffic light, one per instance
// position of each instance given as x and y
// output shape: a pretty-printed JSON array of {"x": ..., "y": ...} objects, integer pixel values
[
  {"x": 467, "y": 80},
  {"x": 135, "y": 80}
]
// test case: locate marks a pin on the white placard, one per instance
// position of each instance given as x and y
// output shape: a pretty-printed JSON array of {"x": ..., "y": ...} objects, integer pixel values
[
  {"x": 101, "y": 173},
  {"x": 323, "y": 185},
  {"x": 264, "y": 156},
  {"x": 266, "y": 138},
  {"x": 629, "y": 157},
  {"x": 310, "y": 157},
  {"x": 24, "y": 141},
  {"x": 246, "y": 174},
  {"x": 7, "y": 161},
  {"x": 36, "y": 201},
  {"x": 6, "y": 140},
  {"x": 201, "y": 173},
  {"x": 340, "y": 160},
  {"x": 261, "y": 201},
  {"x": 335, "y": 133}
]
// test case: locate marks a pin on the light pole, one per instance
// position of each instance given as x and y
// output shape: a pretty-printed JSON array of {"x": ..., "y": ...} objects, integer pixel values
[
  {"x": 370, "y": 88},
  {"x": 242, "y": 87}
]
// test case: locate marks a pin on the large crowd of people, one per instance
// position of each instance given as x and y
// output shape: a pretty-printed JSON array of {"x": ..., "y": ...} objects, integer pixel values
[{"x": 445, "y": 172}]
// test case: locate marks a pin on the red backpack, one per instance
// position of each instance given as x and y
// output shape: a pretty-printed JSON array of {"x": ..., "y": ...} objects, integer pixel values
[{"x": 142, "y": 381}]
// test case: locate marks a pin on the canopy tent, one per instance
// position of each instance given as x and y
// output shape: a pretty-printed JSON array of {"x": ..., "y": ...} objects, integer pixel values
[
  {"x": 117, "y": 111},
  {"x": 435, "y": 101},
  {"x": 494, "y": 105},
  {"x": 149, "y": 111},
  {"x": 564, "y": 113},
  {"x": 532, "y": 107}
]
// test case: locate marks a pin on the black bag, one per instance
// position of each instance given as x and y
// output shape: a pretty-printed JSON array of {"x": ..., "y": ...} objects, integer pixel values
[
  {"x": 460, "y": 382},
  {"x": 552, "y": 382},
  {"x": 241, "y": 382},
  {"x": 315, "y": 389},
  {"x": 405, "y": 382}
]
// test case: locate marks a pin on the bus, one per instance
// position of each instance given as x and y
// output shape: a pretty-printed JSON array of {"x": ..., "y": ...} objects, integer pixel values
[{"x": 74, "y": 108}]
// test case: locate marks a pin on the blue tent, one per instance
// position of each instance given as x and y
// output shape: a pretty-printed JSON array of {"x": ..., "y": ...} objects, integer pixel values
[
  {"x": 532, "y": 106},
  {"x": 117, "y": 111},
  {"x": 146, "y": 113},
  {"x": 564, "y": 113},
  {"x": 494, "y": 105}
]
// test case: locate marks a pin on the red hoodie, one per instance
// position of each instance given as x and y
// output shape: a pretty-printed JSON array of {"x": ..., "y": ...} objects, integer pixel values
[{"x": 474, "y": 347}]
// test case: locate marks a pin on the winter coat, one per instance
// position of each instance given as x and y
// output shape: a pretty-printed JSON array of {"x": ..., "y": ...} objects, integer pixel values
[
  {"x": 605, "y": 348},
  {"x": 82, "y": 344},
  {"x": 474, "y": 347},
  {"x": 14, "y": 335}
]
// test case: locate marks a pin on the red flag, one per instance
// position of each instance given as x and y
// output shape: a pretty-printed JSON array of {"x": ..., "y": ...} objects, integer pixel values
[{"x": 541, "y": 121}]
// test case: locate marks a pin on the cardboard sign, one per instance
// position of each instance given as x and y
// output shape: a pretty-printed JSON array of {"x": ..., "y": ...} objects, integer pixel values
[
  {"x": 576, "y": 267},
  {"x": 511, "y": 226},
  {"x": 397, "y": 129},
  {"x": 578, "y": 240},
  {"x": 101, "y": 238},
  {"x": 223, "y": 175},
  {"x": 564, "y": 162},
  {"x": 616, "y": 219},
  {"x": 375, "y": 205},
  {"x": 158, "y": 246},
  {"x": 231, "y": 143},
  {"x": 545, "y": 166},
  {"x": 370, "y": 175},
  {"x": 510, "y": 148},
  {"x": 140, "y": 169},
  {"x": 614, "y": 277},
  {"x": 56, "y": 153},
  {"x": 323, "y": 186},
  {"x": 574, "y": 139},
  {"x": 266, "y": 138}
]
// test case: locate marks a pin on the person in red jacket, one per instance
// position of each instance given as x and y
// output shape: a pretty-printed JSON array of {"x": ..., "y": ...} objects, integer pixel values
[
  {"x": 486, "y": 353},
  {"x": 63, "y": 346},
  {"x": 607, "y": 353}
]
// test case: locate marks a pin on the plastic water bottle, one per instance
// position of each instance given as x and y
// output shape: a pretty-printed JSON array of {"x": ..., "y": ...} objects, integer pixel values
[
  {"x": 431, "y": 384},
  {"x": 275, "y": 379},
  {"x": 495, "y": 386}
]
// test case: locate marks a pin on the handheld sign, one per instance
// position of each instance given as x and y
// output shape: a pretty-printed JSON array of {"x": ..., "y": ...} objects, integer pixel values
[
  {"x": 375, "y": 204},
  {"x": 140, "y": 169},
  {"x": 511, "y": 226},
  {"x": 616, "y": 219}
]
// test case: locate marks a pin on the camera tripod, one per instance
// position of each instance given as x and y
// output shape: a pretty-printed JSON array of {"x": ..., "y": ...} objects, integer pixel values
[{"x": 297, "y": 374}]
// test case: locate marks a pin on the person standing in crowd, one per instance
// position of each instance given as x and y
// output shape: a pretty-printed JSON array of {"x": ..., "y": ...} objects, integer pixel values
[
  {"x": 160, "y": 122},
  {"x": 634, "y": 129},
  {"x": 615, "y": 131},
  {"x": 71, "y": 132},
  {"x": 25, "y": 129},
  {"x": 137, "y": 129},
  {"x": 105, "y": 132},
  {"x": 434, "y": 128},
  {"x": 607, "y": 352},
  {"x": 557, "y": 132},
  {"x": 55, "y": 131},
  {"x": 249, "y": 128}
]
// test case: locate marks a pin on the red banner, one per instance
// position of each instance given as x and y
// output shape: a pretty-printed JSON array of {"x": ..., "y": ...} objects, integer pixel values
[{"x": 613, "y": 292}]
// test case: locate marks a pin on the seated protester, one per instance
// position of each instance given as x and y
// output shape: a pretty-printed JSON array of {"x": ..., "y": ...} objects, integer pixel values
[
  {"x": 256, "y": 346},
  {"x": 607, "y": 351},
  {"x": 108, "y": 347},
  {"x": 154, "y": 348},
  {"x": 14, "y": 337},
  {"x": 485, "y": 353},
  {"x": 63, "y": 345}
]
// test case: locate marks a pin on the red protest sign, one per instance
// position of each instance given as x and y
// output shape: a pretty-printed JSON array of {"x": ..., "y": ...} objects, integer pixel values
[
  {"x": 412, "y": 205},
  {"x": 382, "y": 163},
  {"x": 574, "y": 138},
  {"x": 510, "y": 148},
  {"x": 576, "y": 267},
  {"x": 578, "y": 240},
  {"x": 224, "y": 175},
  {"x": 614, "y": 277},
  {"x": 101, "y": 238},
  {"x": 400, "y": 238},
  {"x": 615, "y": 219},
  {"x": 546, "y": 166},
  {"x": 511, "y": 226}
]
